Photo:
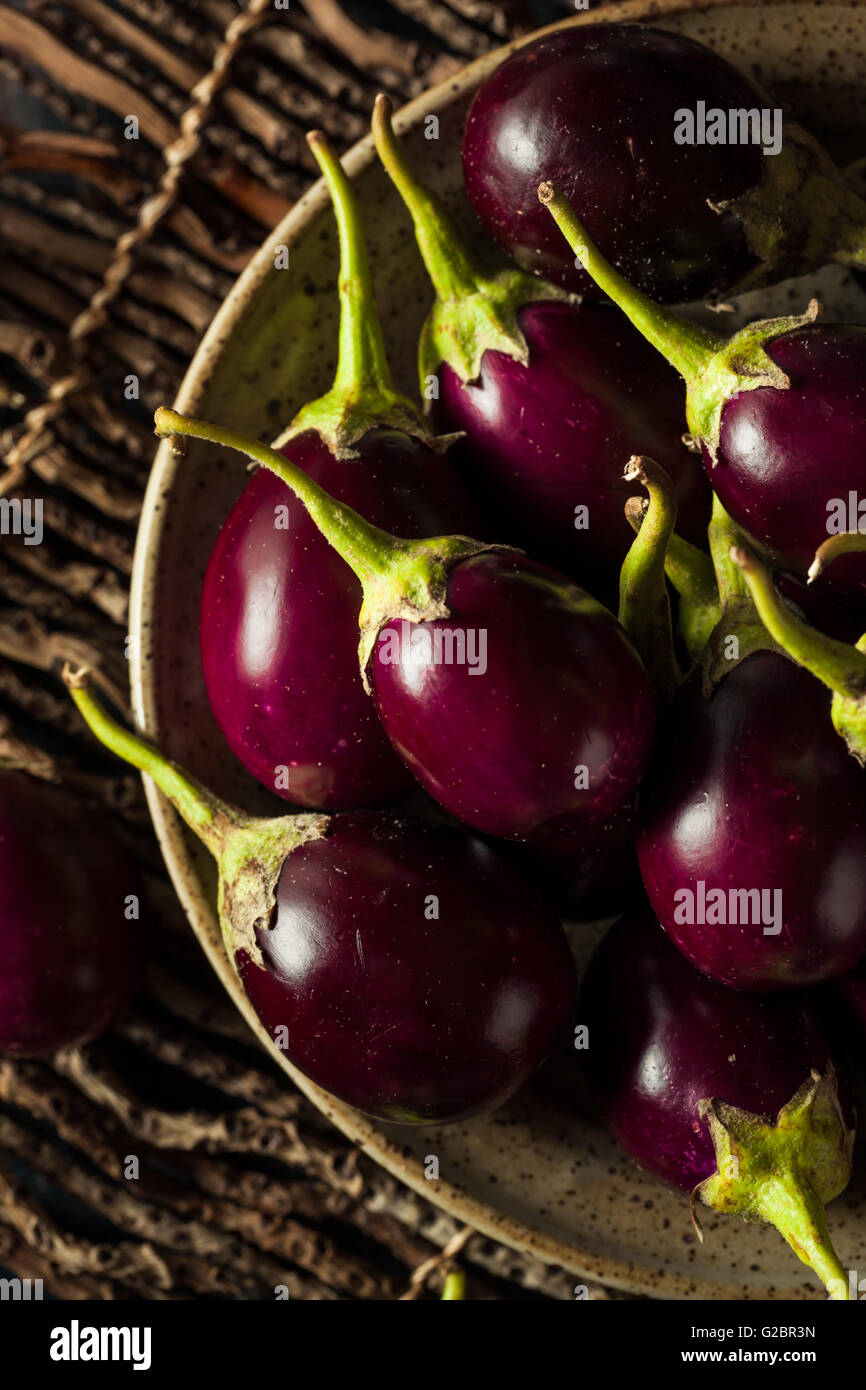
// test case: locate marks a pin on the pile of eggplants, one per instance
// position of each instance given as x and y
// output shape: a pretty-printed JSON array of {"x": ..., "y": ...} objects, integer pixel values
[{"x": 587, "y": 614}]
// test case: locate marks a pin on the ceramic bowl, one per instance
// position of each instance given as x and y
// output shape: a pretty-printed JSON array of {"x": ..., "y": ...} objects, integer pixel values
[{"x": 537, "y": 1175}]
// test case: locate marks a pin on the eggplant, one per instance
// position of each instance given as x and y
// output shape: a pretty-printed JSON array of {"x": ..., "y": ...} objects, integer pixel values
[
  {"x": 551, "y": 396},
  {"x": 278, "y": 607},
  {"x": 400, "y": 964},
  {"x": 689, "y": 177},
  {"x": 778, "y": 412},
  {"x": 73, "y": 939},
  {"x": 517, "y": 701},
  {"x": 731, "y": 1097}
]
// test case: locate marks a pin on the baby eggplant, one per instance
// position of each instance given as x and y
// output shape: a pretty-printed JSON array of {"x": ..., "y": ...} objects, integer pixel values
[
  {"x": 400, "y": 964},
  {"x": 515, "y": 699},
  {"x": 685, "y": 172},
  {"x": 279, "y": 606},
  {"x": 778, "y": 410},
  {"x": 73, "y": 943},
  {"x": 752, "y": 817},
  {"x": 731, "y": 1097},
  {"x": 552, "y": 397}
]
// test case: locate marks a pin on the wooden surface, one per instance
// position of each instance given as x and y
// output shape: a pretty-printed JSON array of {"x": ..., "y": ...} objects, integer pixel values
[{"x": 243, "y": 1185}]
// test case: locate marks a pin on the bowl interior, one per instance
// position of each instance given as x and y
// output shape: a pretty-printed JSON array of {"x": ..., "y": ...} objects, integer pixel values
[{"x": 537, "y": 1174}]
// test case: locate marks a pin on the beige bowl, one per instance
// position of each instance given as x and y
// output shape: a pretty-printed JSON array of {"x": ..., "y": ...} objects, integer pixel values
[{"x": 539, "y": 1177}]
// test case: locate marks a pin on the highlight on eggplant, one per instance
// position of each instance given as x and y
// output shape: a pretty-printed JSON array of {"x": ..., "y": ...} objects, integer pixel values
[
  {"x": 400, "y": 964},
  {"x": 278, "y": 606},
  {"x": 561, "y": 744}
]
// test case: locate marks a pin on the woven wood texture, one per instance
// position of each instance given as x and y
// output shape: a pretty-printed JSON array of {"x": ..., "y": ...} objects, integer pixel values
[{"x": 115, "y": 254}]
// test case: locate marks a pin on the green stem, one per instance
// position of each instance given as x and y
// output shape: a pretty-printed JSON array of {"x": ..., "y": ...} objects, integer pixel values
[
  {"x": 475, "y": 311},
  {"x": 363, "y": 395},
  {"x": 723, "y": 534},
  {"x": 691, "y": 575},
  {"x": 454, "y": 1287},
  {"x": 250, "y": 850},
  {"x": 840, "y": 666},
  {"x": 210, "y": 819},
  {"x": 796, "y": 1211},
  {"x": 366, "y": 550},
  {"x": 644, "y": 606},
  {"x": 739, "y": 630},
  {"x": 714, "y": 369},
  {"x": 846, "y": 543},
  {"x": 785, "y": 1171},
  {"x": 400, "y": 578},
  {"x": 363, "y": 364},
  {"x": 452, "y": 269},
  {"x": 687, "y": 347}
]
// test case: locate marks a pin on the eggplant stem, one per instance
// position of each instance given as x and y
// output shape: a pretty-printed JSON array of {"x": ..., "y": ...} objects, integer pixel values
[
  {"x": 400, "y": 578},
  {"x": 362, "y": 397},
  {"x": 644, "y": 605},
  {"x": 211, "y": 819},
  {"x": 454, "y": 1287},
  {"x": 475, "y": 311},
  {"x": 452, "y": 269},
  {"x": 366, "y": 549},
  {"x": 839, "y": 665},
  {"x": 796, "y": 1211},
  {"x": 687, "y": 347}
]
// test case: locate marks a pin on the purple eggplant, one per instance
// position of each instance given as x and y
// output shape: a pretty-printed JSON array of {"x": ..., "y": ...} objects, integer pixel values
[
  {"x": 73, "y": 943},
  {"x": 400, "y": 964},
  {"x": 752, "y": 817},
  {"x": 279, "y": 607},
  {"x": 731, "y": 1097},
  {"x": 752, "y": 840},
  {"x": 517, "y": 700},
  {"x": 552, "y": 397},
  {"x": 779, "y": 412},
  {"x": 626, "y": 121}
]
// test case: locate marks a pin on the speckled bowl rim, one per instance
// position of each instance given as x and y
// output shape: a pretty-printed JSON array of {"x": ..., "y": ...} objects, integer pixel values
[{"x": 386, "y": 1151}]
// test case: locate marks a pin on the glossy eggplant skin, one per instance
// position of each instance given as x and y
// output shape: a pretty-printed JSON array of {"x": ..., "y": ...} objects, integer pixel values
[
  {"x": 785, "y": 454},
  {"x": 562, "y": 690},
  {"x": 279, "y": 620},
  {"x": 554, "y": 435},
  {"x": 419, "y": 977},
  {"x": 662, "y": 1038},
  {"x": 70, "y": 956},
  {"x": 594, "y": 110},
  {"x": 754, "y": 789}
]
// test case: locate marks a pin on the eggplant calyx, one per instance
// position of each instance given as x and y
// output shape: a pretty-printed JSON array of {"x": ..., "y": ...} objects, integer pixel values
[
  {"x": 785, "y": 1171},
  {"x": 841, "y": 666},
  {"x": 644, "y": 604},
  {"x": 412, "y": 587},
  {"x": 802, "y": 214},
  {"x": 742, "y": 363},
  {"x": 714, "y": 369},
  {"x": 475, "y": 310},
  {"x": 363, "y": 397},
  {"x": 249, "y": 872},
  {"x": 400, "y": 579},
  {"x": 250, "y": 850}
]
